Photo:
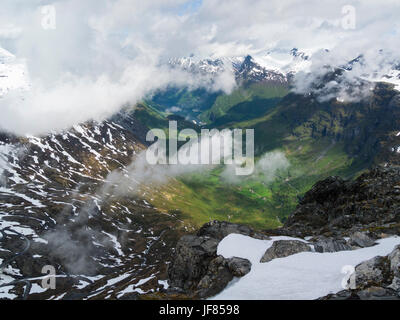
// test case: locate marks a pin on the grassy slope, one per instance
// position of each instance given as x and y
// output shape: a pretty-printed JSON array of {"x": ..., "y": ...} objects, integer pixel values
[
  {"x": 244, "y": 98},
  {"x": 316, "y": 138},
  {"x": 190, "y": 103},
  {"x": 201, "y": 197}
]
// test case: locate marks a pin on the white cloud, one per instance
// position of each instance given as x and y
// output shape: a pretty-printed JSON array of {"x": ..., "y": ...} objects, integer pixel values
[
  {"x": 266, "y": 169},
  {"x": 107, "y": 52}
]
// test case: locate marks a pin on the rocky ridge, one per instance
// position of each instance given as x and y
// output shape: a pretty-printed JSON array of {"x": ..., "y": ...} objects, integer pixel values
[{"x": 55, "y": 211}]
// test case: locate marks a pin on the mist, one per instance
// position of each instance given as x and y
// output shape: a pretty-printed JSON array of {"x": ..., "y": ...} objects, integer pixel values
[
  {"x": 266, "y": 169},
  {"x": 104, "y": 54}
]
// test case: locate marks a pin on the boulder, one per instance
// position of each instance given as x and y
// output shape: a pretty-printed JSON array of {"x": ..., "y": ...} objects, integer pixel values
[
  {"x": 331, "y": 245},
  {"x": 197, "y": 270},
  {"x": 394, "y": 258},
  {"x": 361, "y": 239},
  {"x": 377, "y": 279},
  {"x": 395, "y": 285},
  {"x": 378, "y": 293},
  {"x": 221, "y": 229},
  {"x": 239, "y": 266},
  {"x": 193, "y": 254},
  {"x": 284, "y": 248},
  {"x": 373, "y": 272},
  {"x": 216, "y": 278}
]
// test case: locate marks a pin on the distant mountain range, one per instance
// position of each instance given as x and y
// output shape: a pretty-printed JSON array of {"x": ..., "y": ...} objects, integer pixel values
[{"x": 271, "y": 67}]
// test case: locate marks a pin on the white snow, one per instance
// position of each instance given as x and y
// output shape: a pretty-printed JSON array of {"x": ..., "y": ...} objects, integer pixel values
[
  {"x": 35, "y": 202},
  {"x": 5, "y": 294},
  {"x": 164, "y": 283},
  {"x": 306, "y": 275},
  {"x": 117, "y": 245}
]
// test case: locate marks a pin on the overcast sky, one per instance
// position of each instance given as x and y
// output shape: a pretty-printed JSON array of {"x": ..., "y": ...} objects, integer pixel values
[{"x": 104, "y": 53}]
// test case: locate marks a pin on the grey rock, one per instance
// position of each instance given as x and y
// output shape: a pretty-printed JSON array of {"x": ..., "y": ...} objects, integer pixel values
[
  {"x": 341, "y": 295},
  {"x": 395, "y": 285},
  {"x": 376, "y": 279},
  {"x": 284, "y": 248},
  {"x": 197, "y": 270},
  {"x": 335, "y": 207},
  {"x": 361, "y": 239},
  {"x": 239, "y": 266},
  {"x": 394, "y": 257},
  {"x": 371, "y": 293},
  {"x": 217, "y": 277},
  {"x": 378, "y": 293},
  {"x": 372, "y": 272},
  {"x": 331, "y": 245},
  {"x": 193, "y": 254},
  {"x": 221, "y": 229}
]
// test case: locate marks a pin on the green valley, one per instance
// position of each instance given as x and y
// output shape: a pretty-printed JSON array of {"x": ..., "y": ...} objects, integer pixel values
[{"x": 316, "y": 140}]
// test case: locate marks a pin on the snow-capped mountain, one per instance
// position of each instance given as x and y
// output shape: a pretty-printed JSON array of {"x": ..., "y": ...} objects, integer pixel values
[
  {"x": 278, "y": 65},
  {"x": 286, "y": 61},
  {"x": 244, "y": 68},
  {"x": 251, "y": 71},
  {"x": 206, "y": 66}
]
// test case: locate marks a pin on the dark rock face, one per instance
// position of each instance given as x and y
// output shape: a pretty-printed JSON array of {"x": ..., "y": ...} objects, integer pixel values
[
  {"x": 375, "y": 271},
  {"x": 239, "y": 267},
  {"x": 216, "y": 278},
  {"x": 337, "y": 207},
  {"x": 197, "y": 270},
  {"x": 364, "y": 210},
  {"x": 284, "y": 248},
  {"x": 221, "y": 229},
  {"x": 192, "y": 258},
  {"x": 331, "y": 245},
  {"x": 372, "y": 293},
  {"x": 361, "y": 239}
]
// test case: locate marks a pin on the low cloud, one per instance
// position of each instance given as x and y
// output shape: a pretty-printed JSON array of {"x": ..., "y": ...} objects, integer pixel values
[
  {"x": 74, "y": 100},
  {"x": 104, "y": 54},
  {"x": 267, "y": 169}
]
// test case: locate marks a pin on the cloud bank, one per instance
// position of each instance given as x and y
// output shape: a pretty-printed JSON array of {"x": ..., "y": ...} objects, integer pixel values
[{"x": 106, "y": 53}]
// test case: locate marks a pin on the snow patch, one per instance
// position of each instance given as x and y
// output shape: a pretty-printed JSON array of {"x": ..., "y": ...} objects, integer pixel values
[{"x": 306, "y": 275}]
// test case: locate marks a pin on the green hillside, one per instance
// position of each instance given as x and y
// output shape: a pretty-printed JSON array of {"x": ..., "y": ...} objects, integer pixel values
[
  {"x": 318, "y": 139},
  {"x": 246, "y": 102}
]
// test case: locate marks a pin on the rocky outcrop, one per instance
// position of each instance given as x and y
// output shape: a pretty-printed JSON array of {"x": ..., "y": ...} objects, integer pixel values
[
  {"x": 239, "y": 267},
  {"x": 221, "y": 229},
  {"x": 197, "y": 270},
  {"x": 373, "y": 272},
  {"x": 284, "y": 248},
  {"x": 192, "y": 258},
  {"x": 331, "y": 245},
  {"x": 361, "y": 239},
  {"x": 377, "y": 278},
  {"x": 355, "y": 241},
  {"x": 335, "y": 207}
]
